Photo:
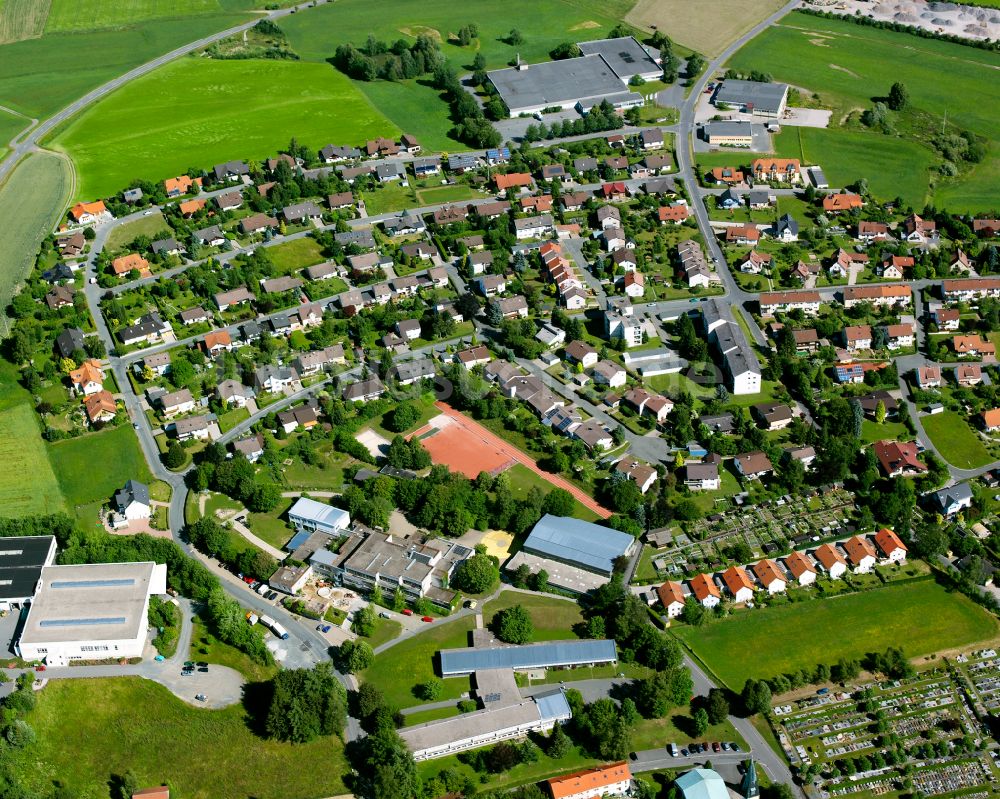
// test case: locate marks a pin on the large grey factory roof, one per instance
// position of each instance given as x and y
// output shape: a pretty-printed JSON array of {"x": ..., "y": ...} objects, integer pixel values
[
  {"x": 556, "y": 82},
  {"x": 764, "y": 96},
  {"x": 624, "y": 55},
  {"x": 576, "y": 541},
  {"x": 530, "y": 656},
  {"x": 728, "y": 129}
]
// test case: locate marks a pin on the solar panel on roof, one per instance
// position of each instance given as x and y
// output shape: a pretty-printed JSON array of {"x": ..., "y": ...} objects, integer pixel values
[
  {"x": 113, "y": 583},
  {"x": 81, "y": 622}
]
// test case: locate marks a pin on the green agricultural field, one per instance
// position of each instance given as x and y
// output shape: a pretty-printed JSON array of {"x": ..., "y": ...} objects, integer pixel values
[
  {"x": 150, "y": 226},
  {"x": 705, "y": 27},
  {"x": 200, "y": 111},
  {"x": 10, "y": 126},
  {"x": 416, "y": 107},
  {"x": 27, "y": 483},
  {"x": 42, "y": 75},
  {"x": 955, "y": 440},
  {"x": 849, "y": 65},
  {"x": 922, "y": 617},
  {"x": 22, "y": 19},
  {"x": 117, "y": 452},
  {"x": 31, "y": 201},
  {"x": 295, "y": 255},
  {"x": 69, "y": 15},
  {"x": 553, "y": 617},
  {"x": 202, "y": 754},
  {"x": 403, "y": 666}
]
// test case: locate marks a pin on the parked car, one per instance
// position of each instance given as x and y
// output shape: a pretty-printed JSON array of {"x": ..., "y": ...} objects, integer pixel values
[
  {"x": 407, "y": 612},
  {"x": 186, "y": 672},
  {"x": 725, "y": 746},
  {"x": 323, "y": 628},
  {"x": 201, "y": 663},
  {"x": 684, "y": 752},
  {"x": 735, "y": 747},
  {"x": 200, "y": 697},
  {"x": 203, "y": 669},
  {"x": 427, "y": 619},
  {"x": 383, "y": 615},
  {"x": 716, "y": 747}
]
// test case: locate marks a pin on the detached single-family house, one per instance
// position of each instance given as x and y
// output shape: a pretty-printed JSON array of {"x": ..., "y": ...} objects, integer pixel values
[
  {"x": 274, "y": 378},
  {"x": 770, "y": 576},
  {"x": 898, "y": 458},
  {"x": 738, "y": 584},
  {"x": 860, "y": 554},
  {"x": 702, "y": 476},
  {"x": 133, "y": 501},
  {"x": 889, "y": 546},
  {"x": 753, "y": 465},
  {"x": 88, "y": 379},
  {"x": 831, "y": 561},
  {"x": 801, "y": 568},
  {"x": 671, "y": 597},
  {"x": 705, "y": 591}
]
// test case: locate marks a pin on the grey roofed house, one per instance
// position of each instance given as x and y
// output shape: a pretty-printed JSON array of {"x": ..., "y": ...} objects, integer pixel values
[
  {"x": 550, "y": 654},
  {"x": 364, "y": 390},
  {"x": 150, "y": 324},
  {"x": 250, "y": 330},
  {"x": 191, "y": 315},
  {"x": 276, "y": 285},
  {"x": 70, "y": 340},
  {"x": 766, "y": 98},
  {"x": 360, "y": 238},
  {"x": 869, "y": 402},
  {"x": 342, "y": 199},
  {"x": 302, "y": 211},
  {"x": 192, "y": 424},
  {"x": 224, "y": 299},
  {"x": 625, "y": 56},
  {"x": 533, "y": 222},
  {"x": 323, "y": 271},
  {"x": 659, "y": 186},
  {"x": 758, "y": 197},
  {"x": 585, "y": 164},
  {"x": 411, "y": 371},
  {"x": 462, "y": 162},
  {"x": 233, "y": 389},
  {"x": 229, "y": 200},
  {"x": 720, "y": 423},
  {"x": 500, "y": 371},
  {"x": 168, "y": 246},
  {"x": 390, "y": 171},
  {"x": 230, "y": 169},
  {"x": 578, "y": 543},
  {"x": 134, "y": 491},
  {"x": 555, "y": 83},
  {"x": 251, "y": 447},
  {"x": 952, "y": 499},
  {"x": 210, "y": 234},
  {"x": 263, "y": 375},
  {"x": 317, "y": 173},
  {"x": 726, "y": 129},
  {"x": 132, "y": 195},
  {"x": 786, "y": 224},
  {"x": 406, "y": 222},
  {"x": 334, "y": 152}
]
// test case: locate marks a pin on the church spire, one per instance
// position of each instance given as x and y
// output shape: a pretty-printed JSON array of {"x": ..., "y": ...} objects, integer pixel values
[{"x": 748, "y": 785}]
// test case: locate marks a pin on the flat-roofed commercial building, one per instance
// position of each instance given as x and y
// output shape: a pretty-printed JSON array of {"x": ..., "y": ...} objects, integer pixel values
[
  {"x": 21, "y": 562},
  {"x": 753, "y": 97},
  {"x": 497, "y": 721},
  {"x": 626, "y": 57},
  {"x": 308, "y": 515},
  {"x": 572, "y": 82},
  {"x": 90, "y": 612},
  {"x": 728, "y": 134},
  {"x": 578, "y": 543},
  {"x": 545, "y": 655}
]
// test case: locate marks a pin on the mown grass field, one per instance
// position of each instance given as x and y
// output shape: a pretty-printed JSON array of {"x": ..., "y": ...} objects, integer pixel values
[
  {"x": 522, "y": 480},
  {"x": 553, "y": 618},
  {"x": 42, "y": 75},
  {"x": 22, "y": 19},
  {"x": 849, "y": 65},
  {"x": 295, "y": 255},
  {"x": 200, "y": 111},
  {"x": 150, "y": 226},
  {"x": 27, "y": 483},
  {"x": 921, "y": 617},
  {"x": 407, "y": 664},
  {"x": 89, "y": 730},
  {"x": 958, "y": 443},
  {"x": 705, "y": 27},
  {"x": 92, "y": 467},
  {"x": 31, "y": 201},
  {"x": 70, "y": 15}
]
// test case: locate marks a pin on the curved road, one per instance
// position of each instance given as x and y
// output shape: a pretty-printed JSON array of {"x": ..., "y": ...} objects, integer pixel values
[{"x": 26, "y": 142}]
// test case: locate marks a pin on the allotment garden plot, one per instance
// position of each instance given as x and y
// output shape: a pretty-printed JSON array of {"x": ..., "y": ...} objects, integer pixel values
[{"x": 918, "y": 734}]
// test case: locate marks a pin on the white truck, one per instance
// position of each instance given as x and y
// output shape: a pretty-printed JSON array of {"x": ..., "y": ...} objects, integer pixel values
[{"x": 274, "y": 627}]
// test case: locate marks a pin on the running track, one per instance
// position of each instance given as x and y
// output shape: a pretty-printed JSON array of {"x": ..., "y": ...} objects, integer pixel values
[{"x": 488, "y": 437}]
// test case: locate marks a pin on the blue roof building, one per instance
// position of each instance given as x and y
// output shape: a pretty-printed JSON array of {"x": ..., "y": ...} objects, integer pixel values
[
  {"x": 702, "y": 783},
  {"x": 578, "y": 543},
  {"x": 550, "y": 654}
]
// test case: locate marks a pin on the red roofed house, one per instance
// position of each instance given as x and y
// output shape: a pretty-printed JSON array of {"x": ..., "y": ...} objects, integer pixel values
[
  {"x": 100, "y": 407},
  {"x": 835, "y": 203},
  {"x": 738, "y": 582},
  {"x": 676, "y": 213},
  {"x": 705, "y": 590},
  {"x": 860, "y": 554},
  {"x": 86, "y": 213},
  {"x": 742, "y": 234},
  {"x": 770, "y": 576},
  {"x": 672, "y": 598},
  {"x": 614, "y": 192},
  {"x": 831, "y": 561},
  {"x": 614, "y": 779},
  {"x": 635, "y": 284},
  {"x": 893, "y": 267},
  {"x": 990, "y": 420},
  {"x": 127, "y": 263},
  {"x": 512, "y": 181},
  {"x": 786, "y": 170},
  {"x": 893, "y": 550},
  {"x": 216, "y": 341},
  {"x": 801, "y": 568},
  {"x": 898, "y": 458},
  {"x": 88, "y": 379}
]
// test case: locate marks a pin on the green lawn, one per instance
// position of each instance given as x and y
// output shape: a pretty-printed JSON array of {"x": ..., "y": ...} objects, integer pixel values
[
  {"x": 205, "y": 646},
  {"x": 423, "y": 716},
  {"x": 385, "y": 631},
  {"x": 89, "y": 730},
  {"x": 229, "y": 419},
  {"x": 271, "y": 527},
  {"x": 295, "y": 255},
  {"x": 957, "y": 442},
  {"x": 27, "y": 483},
  {"x": 921, "y": 617},
  {"x": 401, "y": 667},
  {"x": 523, "y": 479},
  {"x": 871, "y": 432},
  {"x": 31, "y": 201},
  {"x": 150, "y": 226},
  {"x": 201, "y": 111},
  {"x": 553, "y": 618},
  {"x": 848, "y": 65},
  {"x": 446, "y": 194},
  {"x": 91, "y": 468}
]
